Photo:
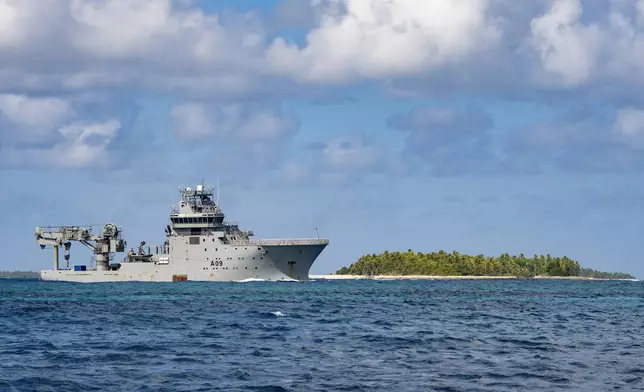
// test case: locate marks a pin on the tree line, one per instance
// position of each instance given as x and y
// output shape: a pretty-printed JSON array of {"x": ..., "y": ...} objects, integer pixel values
[
  {"x": 456, "y": 264},
  {"x": 19, "y": 274}
]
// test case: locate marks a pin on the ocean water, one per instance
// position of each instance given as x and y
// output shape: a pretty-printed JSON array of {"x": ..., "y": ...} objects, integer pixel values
[{"x": 322, "y": 336}]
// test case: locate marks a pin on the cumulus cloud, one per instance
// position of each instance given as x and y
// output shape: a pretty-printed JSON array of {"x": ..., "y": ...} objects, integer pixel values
[
  {"x": 567, "y": 48},
  {"x": 585, "y": 140},
  {"x": 246, "y": 139},
  {"x": 79, "y": 145},
  {"x": 446, "y": 140},
  {"x": 502, "y": 48},
  {"x": 29, "y": 119},
  {"x": 352, "y": 153},
  {"x": 431, "y": 127},
  {"x": 54, "y": 132},
  {"x": 85, "y": 44},
  {"x": 198, "y": 121},
  {"x": 72, "y": 45},
  {"x": 595, "y": 47},
  {"x": 629, "y": 125},
  {"x": 50, "y": 49},
  {"x": 340, "y": 160},
  {"x": 380, "y": 39}
]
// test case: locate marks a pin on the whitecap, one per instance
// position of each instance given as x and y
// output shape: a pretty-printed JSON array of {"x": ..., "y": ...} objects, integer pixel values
[{"x": 250, "y": 280}]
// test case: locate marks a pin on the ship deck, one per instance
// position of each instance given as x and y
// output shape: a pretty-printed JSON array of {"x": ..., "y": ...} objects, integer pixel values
[{"x": 283, "y": 242}]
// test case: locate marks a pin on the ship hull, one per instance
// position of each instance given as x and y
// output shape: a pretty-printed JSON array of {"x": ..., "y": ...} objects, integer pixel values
[{"x": 272, "y": 262}]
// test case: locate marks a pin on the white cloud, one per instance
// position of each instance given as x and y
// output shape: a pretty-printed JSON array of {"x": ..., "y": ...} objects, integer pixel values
[
  {"x": 80, "y": 145},
  {"x": 295, "y": 172},
  {"x": 139, "y": 22},
  {"x": 52, "y": 45},
  {"x": 267, "y": 124},
  {"x": 387, "y": 38},
  {"x": 8, "y": 20},
  {"x": 567, "y": 49},
  {"x": 30, "y": 118},
  {"x": 200, "y": 121},
  {"x": 82, "y": 44},
  {"x": 193, "y": 121},
  {"x": 351, "y": 154},
  {"x": 588, "y": 141},
  {"x": 172, "y": 46},
  {"x": 630, "y": 122},
  {"x": 53, "y": 132},
  {"x": 629, "y": 126}
]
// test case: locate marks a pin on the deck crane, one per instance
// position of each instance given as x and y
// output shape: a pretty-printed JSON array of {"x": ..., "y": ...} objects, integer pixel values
[{"x": 109, "y": 241}]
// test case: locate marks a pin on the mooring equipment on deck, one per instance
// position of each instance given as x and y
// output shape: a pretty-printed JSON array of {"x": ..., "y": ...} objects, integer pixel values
[{"x": 109, "y": 241}]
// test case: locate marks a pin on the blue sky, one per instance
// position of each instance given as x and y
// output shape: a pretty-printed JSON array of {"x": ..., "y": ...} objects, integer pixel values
[{"x": 481, "y": 126}]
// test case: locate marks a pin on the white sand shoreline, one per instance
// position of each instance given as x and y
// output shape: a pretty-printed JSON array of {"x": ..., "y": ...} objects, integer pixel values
[{"x": 429, "y": 277}]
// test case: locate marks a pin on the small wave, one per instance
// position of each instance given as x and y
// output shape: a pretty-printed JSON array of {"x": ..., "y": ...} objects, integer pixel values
[
  {"x": 250, "y": 280},
  {"x": 353, "y": 336}
]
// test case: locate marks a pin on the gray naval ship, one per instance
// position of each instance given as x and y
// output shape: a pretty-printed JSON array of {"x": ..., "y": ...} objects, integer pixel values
[{"x": 200, "y": 246}]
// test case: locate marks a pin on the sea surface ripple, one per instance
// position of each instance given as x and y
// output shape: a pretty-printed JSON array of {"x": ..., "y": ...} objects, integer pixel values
[{"x": 322, "y": 336}]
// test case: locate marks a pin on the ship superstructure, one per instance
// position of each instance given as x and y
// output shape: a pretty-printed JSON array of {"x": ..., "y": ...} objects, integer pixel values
[{"x": 200, "y": 246}]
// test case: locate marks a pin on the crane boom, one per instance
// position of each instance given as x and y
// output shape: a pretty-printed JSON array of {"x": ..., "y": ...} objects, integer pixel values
[{"x": 108, "y": 241}]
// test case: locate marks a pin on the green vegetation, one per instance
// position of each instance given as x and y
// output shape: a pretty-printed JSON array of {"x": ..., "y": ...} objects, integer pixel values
[
  {"x": 456, "y": 264},
  {"x": 591, "y": 273},
  {"x": 19, "y": 274}
]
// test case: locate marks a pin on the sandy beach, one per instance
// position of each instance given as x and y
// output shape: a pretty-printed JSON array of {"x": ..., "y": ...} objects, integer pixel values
[{"x": 428, "y": 277}]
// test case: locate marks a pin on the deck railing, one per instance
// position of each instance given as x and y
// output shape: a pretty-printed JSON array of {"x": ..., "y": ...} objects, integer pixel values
[
  {"x": 152, "y": 250},
  {"x": 282, "y": 242}
]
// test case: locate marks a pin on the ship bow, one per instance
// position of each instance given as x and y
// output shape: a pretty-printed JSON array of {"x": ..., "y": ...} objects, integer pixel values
[{"x": 294, "y": 258}]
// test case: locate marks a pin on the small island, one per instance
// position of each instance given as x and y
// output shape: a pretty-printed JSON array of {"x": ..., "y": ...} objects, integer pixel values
[
  {"x": 442, "y": 264},
  {"x": 19, "y": 275}
]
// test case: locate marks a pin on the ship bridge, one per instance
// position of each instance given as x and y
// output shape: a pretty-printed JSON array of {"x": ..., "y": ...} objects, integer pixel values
[
  {"x": 199, "y": 213},
  {"x": 197, "y": 209}
]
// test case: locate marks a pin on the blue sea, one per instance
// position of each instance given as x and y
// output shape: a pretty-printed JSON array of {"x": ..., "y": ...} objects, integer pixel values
[{"x": 322, "y": 336}]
